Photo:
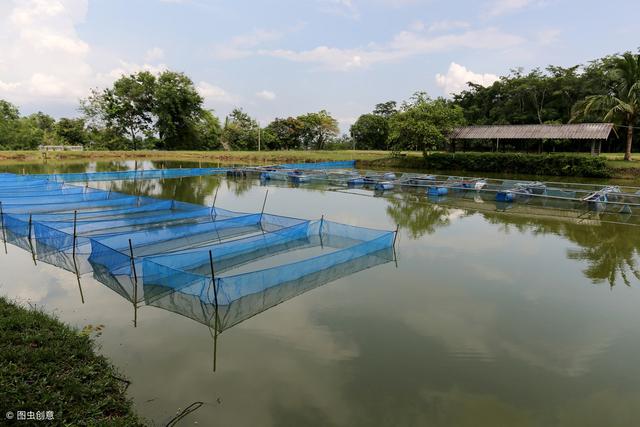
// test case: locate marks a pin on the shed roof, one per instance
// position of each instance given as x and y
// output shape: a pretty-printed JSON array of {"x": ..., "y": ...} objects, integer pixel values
[{"x": 570, "y": 131}]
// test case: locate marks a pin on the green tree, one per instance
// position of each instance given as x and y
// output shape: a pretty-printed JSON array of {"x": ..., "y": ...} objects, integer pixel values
[
  {"x": 16, "y": 132},
  {"x": 621, "y": 104},
  {"x": 318, "y": 129},
  {"x": 240, "y": 131},
  {"x": 178, "y": 108},
  {"x": 370, "y": 132},
  {"x": 424, "y": 123},
  {"x": 208, "y": 132},
  {"x": 386, "y": 109},
  {"x": 287, "y": 133},
  {"x": 127, "y": 108},
  {"x": 72, "y": 131}
]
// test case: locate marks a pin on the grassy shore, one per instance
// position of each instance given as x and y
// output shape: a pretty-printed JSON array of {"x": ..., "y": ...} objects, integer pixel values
[
  {"x": 48, "y": 366},
  {"x": 204, "y": 156},
  {"x": 365, "y": 158}
]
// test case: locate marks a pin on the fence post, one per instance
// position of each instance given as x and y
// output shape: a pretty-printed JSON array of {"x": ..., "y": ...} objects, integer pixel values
[
  {"x": 215, "y": 288},
  {"x": 4, "y": 234},
  {"x": 135, "y": 286},
  {"x": 395, "y": 236},
  {"x": 264, "y": 203},
  {"x": 75, "y": 221},
  {"x": 213, "y": 205}
]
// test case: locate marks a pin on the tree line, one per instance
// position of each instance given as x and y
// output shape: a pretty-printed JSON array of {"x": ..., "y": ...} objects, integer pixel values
[{"x": 165, "y": 111}]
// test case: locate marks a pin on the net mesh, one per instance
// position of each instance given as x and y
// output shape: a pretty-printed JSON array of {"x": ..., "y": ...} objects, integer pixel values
[{"x": 181, "y": 256}]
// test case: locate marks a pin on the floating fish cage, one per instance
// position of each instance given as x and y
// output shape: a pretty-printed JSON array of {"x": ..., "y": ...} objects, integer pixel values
[{"x": 150, "y": 250}]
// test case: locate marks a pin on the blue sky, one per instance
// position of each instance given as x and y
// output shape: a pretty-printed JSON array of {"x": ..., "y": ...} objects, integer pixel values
[{"x": 286, "y": 57}]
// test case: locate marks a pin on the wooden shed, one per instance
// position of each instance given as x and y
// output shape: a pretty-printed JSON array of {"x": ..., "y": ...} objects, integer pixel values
[{"x": 594, "y": 132}]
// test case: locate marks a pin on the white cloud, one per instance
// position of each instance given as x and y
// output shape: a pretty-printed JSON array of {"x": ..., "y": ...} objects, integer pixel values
[
  {"x": 340, "y": 7},
  {"x": 503, "y": 7},
  {"x": 548, "y": 36},
  {"x": 126, "y": 68},
  {"x": 154, "y": 54},
  {"x": 243, "y": 45},
  {"x": 267, "y": 95},
  {"x": 215, "y": 94},
  {"x": 447, "y": 25},
  {"x": 405, "y": 44},
  {"x": 457, "y": 77},
  {"x": 42, "y": 54}
]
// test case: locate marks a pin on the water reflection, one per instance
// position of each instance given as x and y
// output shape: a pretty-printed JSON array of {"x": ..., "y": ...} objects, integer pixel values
[
  {"x": 487, "y": 322},
  {"x": 609, "y": 247}
]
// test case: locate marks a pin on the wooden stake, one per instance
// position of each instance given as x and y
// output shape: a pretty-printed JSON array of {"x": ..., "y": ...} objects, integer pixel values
[
  {"x": 213, "y": 205},
  {"x": 135, "y": 286},
  {"x": 75, "y": 221},
  {"x": 396, "y": 235},
  {"x": 30, "y": 221},
  {"x": 215, "y": 288},
  {"x": 264, "y": 203},
  {"x": 4, "y": 234},
  {"x": 320, "y": 233}
]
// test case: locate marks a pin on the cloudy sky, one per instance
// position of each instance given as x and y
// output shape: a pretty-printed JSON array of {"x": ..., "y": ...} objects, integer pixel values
[{"x": 286, "y": 57}]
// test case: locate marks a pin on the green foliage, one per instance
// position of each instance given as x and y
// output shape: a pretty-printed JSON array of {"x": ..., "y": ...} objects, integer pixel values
[
  {"x": 151, "y": 112},
  {"x": 240, "y": 131},
  {"x": 18, "y": 133},
  {"x": 423, "y": 123},
  {"x": 127, "y": 108},
  {"x": 207, "y": 132},
  {"x": 178, "y": 108},
  {"x": 286, "y": 133},
  {"x": 318, "y": 129},
  {"x": 621, "y": 104},
  {"x": 370, "y": 132},
  {"x": 46, "y": 364},
  {"x": 533, "y": 164},
  {"x": 72, "y": 131}
]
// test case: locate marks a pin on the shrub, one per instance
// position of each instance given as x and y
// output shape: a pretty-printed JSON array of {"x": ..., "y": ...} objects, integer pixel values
[{"x": 532, "y": 164}]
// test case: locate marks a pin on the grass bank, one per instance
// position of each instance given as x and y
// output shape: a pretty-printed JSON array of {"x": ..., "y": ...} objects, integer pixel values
[
  {"x": 228, "y": 157},
  {"x": 49, "y": 366},
  {"x": 617, "y": 168}
]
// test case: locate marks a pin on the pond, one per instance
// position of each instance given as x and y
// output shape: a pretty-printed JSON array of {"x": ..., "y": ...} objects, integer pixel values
[{"x": 486, "y": 318}]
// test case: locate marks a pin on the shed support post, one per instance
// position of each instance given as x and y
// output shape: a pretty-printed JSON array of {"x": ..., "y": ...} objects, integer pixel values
[{"x": 593, "y": 147}]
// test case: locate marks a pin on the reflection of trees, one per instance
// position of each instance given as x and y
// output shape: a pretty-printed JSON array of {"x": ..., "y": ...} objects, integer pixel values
[
  {"x": 611, "y": 250},
  {"x": 414, "y": 213},
  {"x": 239, "y": 186},
  {"x": 192, "y": 189}
]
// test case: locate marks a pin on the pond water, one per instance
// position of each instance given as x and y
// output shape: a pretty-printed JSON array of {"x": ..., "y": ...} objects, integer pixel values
[{"x": 488, "y": 318}]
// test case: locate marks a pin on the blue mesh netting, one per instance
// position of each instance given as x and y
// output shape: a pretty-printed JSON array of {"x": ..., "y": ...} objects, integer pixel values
[
  {"x": 129, "y": 175},
  {"x": 146, "y": 249},
  {"x": 343, "y": 164}
]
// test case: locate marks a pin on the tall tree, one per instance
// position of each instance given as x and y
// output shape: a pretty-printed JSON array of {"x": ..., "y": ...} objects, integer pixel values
[
  {"x": 240, "y": 131},
  {"x": 127, "y": 107},
  {"x": 178, "y": 107},
  {"x": 386, "y": 109},
  {"x": 622, "y": 104},
  {"x": 72, "y": 131},
  {"x": 370, "y": 132},
  {"x": 424, "y": 123},
  {"x": 287, "y": 133},
  {"x": 318, "y": 129}
]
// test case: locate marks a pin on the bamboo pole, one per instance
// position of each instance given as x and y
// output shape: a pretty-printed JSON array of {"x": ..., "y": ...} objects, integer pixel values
[
  {"x": 4, "y": 234},
  {"x": 135, "y": 286},
  {"x": 75, "y": 225},
  {"x": 215, "y": 289}
]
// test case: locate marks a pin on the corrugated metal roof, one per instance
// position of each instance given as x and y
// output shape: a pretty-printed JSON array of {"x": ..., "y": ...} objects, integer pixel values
[{"x": 571, "y": 131}]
